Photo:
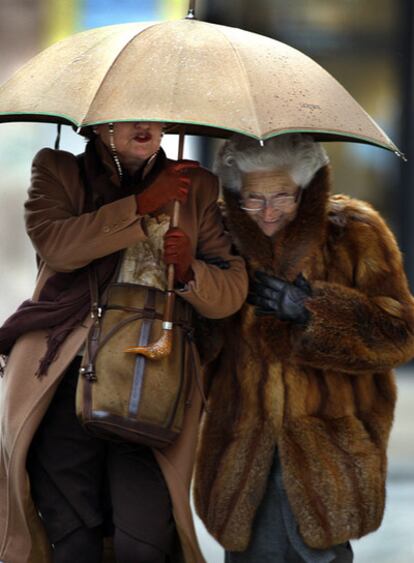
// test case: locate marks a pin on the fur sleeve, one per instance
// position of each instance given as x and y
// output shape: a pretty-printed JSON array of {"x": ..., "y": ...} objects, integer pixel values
[{"x": 370, "y": 325}]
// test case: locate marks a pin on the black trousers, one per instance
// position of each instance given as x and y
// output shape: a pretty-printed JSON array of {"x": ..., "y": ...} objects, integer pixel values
[{"x": 79, "y": 481}]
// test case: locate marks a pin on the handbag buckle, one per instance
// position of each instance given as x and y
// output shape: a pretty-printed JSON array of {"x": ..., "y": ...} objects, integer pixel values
[
  {"x": 96, "y": 311},
  {"x": 88, "y": 373}
]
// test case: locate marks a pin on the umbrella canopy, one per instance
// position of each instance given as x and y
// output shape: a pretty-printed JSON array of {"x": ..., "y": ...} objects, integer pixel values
[{"x": 214, "y": 79}]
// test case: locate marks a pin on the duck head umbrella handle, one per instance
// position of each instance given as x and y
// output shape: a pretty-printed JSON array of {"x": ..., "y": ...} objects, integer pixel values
[{"x": 162, "y": 347}]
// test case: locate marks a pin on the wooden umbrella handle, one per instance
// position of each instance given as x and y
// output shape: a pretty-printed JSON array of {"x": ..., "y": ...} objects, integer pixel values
[
  {"x": 163, "y": 346},
  {"x": 170, "y": 268}
]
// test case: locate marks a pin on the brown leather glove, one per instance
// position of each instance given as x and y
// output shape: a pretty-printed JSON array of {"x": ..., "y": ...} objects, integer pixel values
[
  {"x": 171, "y": 184},
  {"x": 177, "y": 251}
]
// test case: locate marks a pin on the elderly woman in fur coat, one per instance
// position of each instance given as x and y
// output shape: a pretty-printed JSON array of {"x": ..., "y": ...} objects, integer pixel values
[{"x": 292, "y": 462}]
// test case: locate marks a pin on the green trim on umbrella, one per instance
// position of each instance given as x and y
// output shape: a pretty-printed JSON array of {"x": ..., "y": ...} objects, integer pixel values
[
  {"x": 337, "y": 133},
  {"x": 264, "y": 138},
  {"x": 36, "y": 117},
  {"x": 37, "y": 114}
]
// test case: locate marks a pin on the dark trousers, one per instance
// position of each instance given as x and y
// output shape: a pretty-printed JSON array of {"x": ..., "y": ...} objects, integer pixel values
[
  {"x": 275, "y": 536},
  {"x": 85, "y": 487}
]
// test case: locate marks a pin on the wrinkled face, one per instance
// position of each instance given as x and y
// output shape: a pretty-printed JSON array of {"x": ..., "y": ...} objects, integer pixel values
[
  {"x": 135, "y": 141},
  {"x": 270, "y": 198}
]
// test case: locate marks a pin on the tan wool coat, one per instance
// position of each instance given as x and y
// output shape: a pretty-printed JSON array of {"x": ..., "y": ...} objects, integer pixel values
[
  {"x": 66, "y": 239},
  {"x": 322, "y": 394}
]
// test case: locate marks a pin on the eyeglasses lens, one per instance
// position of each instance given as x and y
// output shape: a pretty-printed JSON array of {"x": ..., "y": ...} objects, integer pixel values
[{"x": 283, "y": 203}]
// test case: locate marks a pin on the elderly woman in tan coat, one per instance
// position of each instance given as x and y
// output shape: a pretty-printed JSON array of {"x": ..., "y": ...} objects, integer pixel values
[
  {"x": 81, "y": 210},
  {"x": 292, "y": 463}
]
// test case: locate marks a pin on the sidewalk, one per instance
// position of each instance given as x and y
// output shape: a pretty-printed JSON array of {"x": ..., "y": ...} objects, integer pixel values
[{"x": 394, "y": 541}]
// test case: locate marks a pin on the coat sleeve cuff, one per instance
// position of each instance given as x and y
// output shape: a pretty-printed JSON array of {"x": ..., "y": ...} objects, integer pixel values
[{"x": 216, "y": 293}]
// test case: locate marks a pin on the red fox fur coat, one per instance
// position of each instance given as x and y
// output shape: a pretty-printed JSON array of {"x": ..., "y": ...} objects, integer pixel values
[{"x": 323, "y": 394}]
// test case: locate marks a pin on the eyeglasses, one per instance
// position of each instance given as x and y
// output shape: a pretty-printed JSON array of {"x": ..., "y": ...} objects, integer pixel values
[{"x": 281, "y": 202}]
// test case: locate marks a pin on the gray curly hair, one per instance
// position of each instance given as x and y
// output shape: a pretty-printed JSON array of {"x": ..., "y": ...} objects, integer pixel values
[{"x": 298, "y": 154}]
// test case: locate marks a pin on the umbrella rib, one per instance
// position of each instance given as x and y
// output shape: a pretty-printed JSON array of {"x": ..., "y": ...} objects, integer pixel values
[
  {"x": 111, "y": 66},
  {"x": 93, "y": 98},
  {"x": 248, "y": 91}
]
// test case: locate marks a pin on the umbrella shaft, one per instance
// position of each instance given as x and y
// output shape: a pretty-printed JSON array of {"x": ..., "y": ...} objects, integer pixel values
[{"x": 176, "y": 212}]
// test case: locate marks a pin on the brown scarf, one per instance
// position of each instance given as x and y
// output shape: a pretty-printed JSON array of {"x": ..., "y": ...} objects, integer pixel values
[{"x": 64, "y": 301}]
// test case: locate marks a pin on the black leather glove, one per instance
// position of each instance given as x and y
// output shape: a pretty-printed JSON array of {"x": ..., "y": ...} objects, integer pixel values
[{"x": 284, "y": 300}]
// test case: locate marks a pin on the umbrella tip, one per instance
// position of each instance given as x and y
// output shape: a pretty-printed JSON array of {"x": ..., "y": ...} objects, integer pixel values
[
  {"x": 191, "y": 10},
  {"x": 401, "y": 155}
]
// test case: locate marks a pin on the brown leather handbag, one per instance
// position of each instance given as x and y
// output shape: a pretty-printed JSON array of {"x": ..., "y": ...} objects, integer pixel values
[{"x": 127, "y": 396}]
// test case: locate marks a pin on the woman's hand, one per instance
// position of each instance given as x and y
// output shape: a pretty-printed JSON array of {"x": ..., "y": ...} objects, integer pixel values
[
  {"x": 177, "y": 251},
  {"x": 171, "y": 184},
  {"x": 284, "y": 300}
]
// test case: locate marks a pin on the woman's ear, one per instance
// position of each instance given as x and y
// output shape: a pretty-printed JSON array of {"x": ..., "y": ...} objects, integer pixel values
[{"x": 98, "y": 129}]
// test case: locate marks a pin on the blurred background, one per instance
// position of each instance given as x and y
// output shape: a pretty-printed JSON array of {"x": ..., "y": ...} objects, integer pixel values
[{"x": 365, "y": 44}]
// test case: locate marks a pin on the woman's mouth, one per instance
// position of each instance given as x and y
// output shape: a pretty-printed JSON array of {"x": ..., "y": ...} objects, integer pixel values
[
  {"x": 143, "y": 137},
  {"x": 272, "y": 221}
]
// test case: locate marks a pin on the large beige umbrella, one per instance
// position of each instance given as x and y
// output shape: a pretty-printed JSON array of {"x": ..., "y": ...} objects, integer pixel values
[
  {"x": 188, "y": 72},
  {"x": 208, "y": 79}
]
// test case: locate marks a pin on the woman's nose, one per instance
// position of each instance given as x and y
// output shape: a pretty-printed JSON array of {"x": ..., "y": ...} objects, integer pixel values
[{"x": 269, "y": 212}]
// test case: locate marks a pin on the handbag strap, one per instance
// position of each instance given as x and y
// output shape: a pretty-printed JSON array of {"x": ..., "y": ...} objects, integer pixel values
[
  {"x": 196, "y": 369},
  {"x": 92, "y": 341},
  {"x": 96, "y": 309}
]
